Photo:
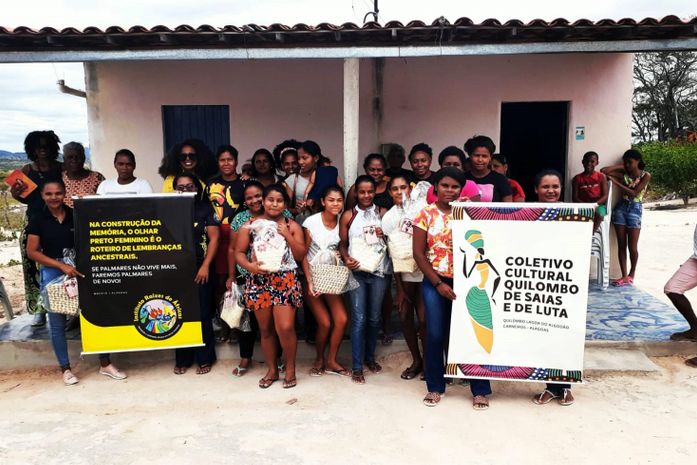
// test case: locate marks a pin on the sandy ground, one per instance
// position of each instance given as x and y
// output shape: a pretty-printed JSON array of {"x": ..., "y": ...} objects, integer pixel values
[
  {"x": 155, "y": 417},
  {"x": 666, "y": 241}
]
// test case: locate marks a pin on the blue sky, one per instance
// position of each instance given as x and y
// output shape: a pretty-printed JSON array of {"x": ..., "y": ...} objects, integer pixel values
[{"x": 30, "y": 99}]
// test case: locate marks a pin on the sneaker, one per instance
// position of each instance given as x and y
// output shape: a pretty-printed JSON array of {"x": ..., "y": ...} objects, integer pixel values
[
  {"x": 112, "y": 372},
  {"x": 69, "y": 378},
  {"x": 39, "y": 319}
]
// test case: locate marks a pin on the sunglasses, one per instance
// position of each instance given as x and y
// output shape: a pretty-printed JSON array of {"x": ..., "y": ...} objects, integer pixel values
[
  {"x": 186, "y": 187},
  {"x": 190, "y": 156}
]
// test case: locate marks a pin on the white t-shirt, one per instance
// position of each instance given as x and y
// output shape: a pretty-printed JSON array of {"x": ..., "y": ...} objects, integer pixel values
[
  {"x": 322, "y": 238},
  {"x": 112, "y": 186}
]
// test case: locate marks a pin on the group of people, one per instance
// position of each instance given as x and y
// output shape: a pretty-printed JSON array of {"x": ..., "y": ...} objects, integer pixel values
[{"x": 295, "y": 189}]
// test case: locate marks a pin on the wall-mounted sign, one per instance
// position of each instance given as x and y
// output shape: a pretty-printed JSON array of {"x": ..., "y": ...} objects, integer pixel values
[{"x": 580, "y": 132}]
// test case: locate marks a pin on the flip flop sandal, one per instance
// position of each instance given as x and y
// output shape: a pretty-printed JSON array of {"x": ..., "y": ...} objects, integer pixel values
[
  {"x": 179, "y": 370},
  {"x": 480, "y": 403},
  {"x": 387, "y": 339},
  {"x": 239, "y": 371},
  {"x": 691, "y": 362},
  {"x": 684, "y": 336},
  {"x": 564, "y": 399},
  {"x": 357, "y": 377},
  {"x": 266, "y": 383},
  {"x": 432, "y": 399},
  {"x": 410, "y": 373},
  {"x": 629, "y": 280},
  {"x": 374, "y": 367},
  {"x": 619, "y": 282},
  {"x": 540, "y": 399},
  {"x": 316, "y": 372},
  {"x": 204, "y": 369},
  {"x": 343, "y": 372},
  {"x": 290, "y": 383}
]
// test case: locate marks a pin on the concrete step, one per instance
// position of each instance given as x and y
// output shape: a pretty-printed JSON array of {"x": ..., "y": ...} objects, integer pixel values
[
  {"x": 605, "y": 360},
  {"x": 22, "y": 355}
]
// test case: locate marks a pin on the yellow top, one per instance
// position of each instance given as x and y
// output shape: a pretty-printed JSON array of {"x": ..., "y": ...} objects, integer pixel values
[{"x": 168, "y": 184}]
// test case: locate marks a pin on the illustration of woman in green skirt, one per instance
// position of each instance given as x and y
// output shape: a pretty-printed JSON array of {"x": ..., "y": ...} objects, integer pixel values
[{"x": 478, "y": 302}]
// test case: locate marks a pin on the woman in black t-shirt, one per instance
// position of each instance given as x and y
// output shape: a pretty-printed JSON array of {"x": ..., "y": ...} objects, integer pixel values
[
  {"x": 206, "y": 236},
  {"x": 50, "y": 237},
  {"x": 493, "y": 186}
]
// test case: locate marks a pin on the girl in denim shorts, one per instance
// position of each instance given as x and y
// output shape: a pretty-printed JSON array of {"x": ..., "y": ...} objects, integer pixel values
[{"x": 631, "y": 179}]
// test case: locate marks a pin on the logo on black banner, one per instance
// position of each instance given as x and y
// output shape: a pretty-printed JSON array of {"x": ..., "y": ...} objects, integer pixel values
[{"x": 158, "y": 316}]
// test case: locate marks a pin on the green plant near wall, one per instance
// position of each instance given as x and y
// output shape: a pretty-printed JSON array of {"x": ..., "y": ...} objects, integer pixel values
[{"x": 673, "y": 167}]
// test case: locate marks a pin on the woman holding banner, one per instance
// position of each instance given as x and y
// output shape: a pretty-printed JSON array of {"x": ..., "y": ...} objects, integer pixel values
[
  {"x": 548, "y": 189},
  {"x": 272, "y": 286},
  {"x": 206, "y": 236},
  {"x": 433, "y": 252},
  {"x": 50, "y": 238}
]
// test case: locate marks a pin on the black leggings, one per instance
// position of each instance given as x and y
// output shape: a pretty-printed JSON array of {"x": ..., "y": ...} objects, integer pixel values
[{"x": 247, "y": 340}]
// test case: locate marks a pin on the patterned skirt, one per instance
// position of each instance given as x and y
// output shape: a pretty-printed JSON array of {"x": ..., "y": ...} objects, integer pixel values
[{"x": 266, "y": 290}]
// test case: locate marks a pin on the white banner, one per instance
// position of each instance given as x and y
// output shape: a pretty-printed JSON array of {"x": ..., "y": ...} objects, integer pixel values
[{"x": 521, "y": 280}]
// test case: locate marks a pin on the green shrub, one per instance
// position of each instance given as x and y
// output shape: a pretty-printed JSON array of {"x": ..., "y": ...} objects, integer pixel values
[{"x": 673, "y": 167}]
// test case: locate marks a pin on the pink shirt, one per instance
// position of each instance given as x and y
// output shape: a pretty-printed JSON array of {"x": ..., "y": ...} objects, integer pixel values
[{"x": 470, "y": 190}]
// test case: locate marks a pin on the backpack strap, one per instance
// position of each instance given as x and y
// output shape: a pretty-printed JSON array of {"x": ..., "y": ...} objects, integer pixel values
[{"x": 354, "y": 213}]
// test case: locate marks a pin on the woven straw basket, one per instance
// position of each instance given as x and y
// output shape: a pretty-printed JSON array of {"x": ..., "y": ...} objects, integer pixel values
[
  {"x": 329, "y": 279},
  {"x": 60, "y": 302}
]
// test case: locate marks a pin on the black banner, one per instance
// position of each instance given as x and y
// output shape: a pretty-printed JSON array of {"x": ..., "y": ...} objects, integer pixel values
[{"x": 137, "y": 255}]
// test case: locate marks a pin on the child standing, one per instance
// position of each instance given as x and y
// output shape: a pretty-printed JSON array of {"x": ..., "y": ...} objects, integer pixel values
[
  {"x": 632, "y": 180},
  {"x": 591, "y": 187}
]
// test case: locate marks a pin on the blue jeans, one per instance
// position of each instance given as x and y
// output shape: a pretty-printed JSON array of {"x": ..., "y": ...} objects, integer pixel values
[
  {"x": 438, "y": 310},
  {"x": 557, "y": 389},
  {"x": 366, "y": 304},
  {"x": 56, "y": 321},
  {"x": 56, "y": 324}
]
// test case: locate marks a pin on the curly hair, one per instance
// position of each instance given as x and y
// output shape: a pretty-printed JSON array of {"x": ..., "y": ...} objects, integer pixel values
[
  {"x": 291, "y": 145},
  {"x": 206, "y": 165},
  {"x": 33, "y": 141}
]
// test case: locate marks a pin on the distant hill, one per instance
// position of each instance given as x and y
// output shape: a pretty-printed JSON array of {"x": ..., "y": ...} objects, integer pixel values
[{"x": 13, "y": 160}]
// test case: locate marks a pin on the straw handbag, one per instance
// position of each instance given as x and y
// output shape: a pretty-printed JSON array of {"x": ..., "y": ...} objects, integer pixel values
[
  {"x": 63, "y": 297},
  {"x": 329, "y": 279}
]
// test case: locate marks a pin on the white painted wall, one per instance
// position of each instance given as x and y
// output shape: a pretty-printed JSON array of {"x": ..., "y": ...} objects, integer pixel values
[
  {"x": 441, "y": 101},
  {"x": 444, "y": 101}
]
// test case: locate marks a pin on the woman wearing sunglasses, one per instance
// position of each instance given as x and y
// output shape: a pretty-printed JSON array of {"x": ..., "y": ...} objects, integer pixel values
[
  {"x": 189, "y": 157},
  {"x": 206, "y": 237}
]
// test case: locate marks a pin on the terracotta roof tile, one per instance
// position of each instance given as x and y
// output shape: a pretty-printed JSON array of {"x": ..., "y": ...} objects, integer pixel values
[{"x": 393, "y": 33}]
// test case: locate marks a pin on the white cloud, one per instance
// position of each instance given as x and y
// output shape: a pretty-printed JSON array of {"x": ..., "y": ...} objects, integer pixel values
[{"x": 31, "y": 101}]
